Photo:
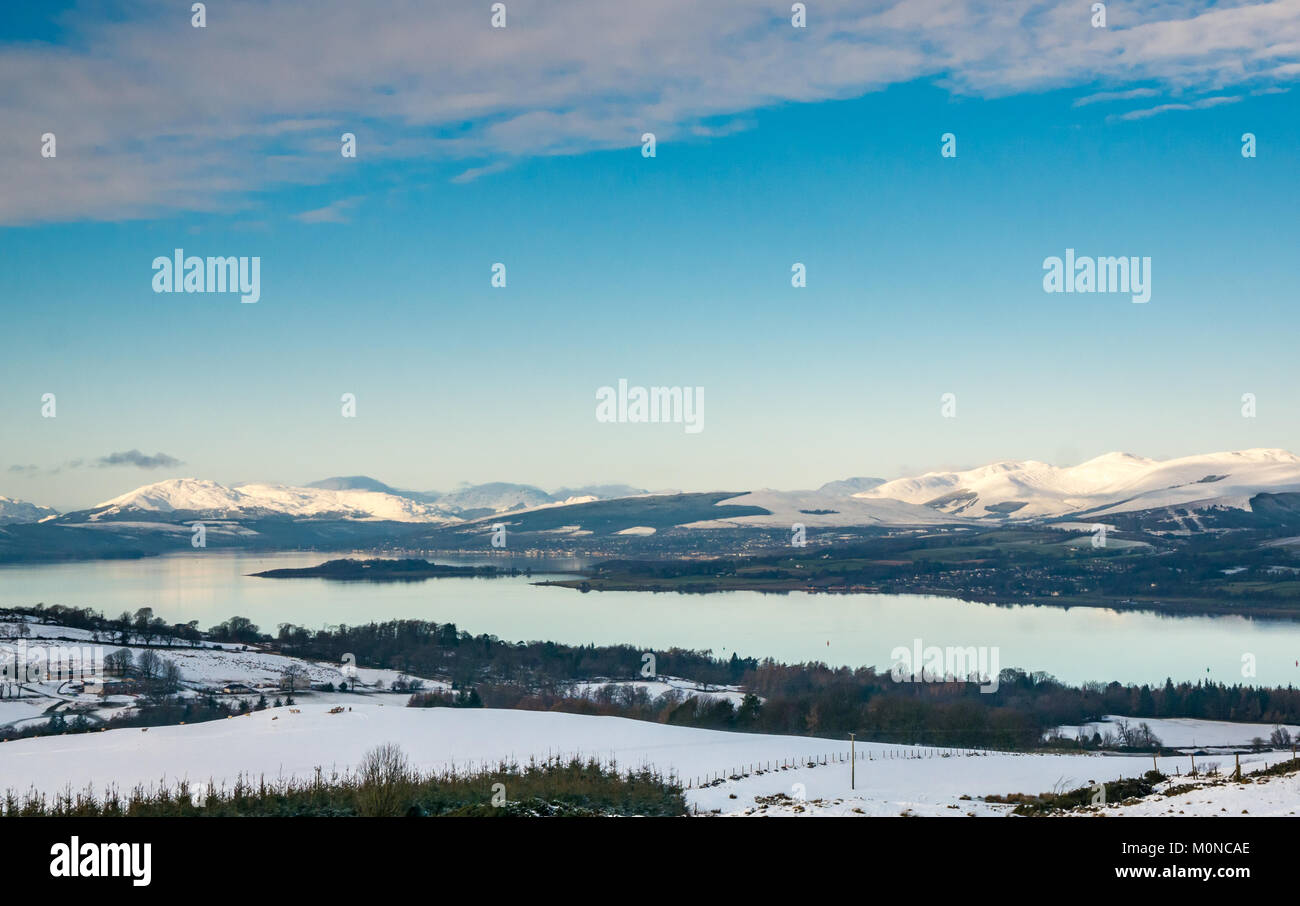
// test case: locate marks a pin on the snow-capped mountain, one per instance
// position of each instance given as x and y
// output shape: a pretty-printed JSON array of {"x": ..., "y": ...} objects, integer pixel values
[
  {"x": 1107, "y": 485},
  {"x": 353, "y": 498},
  {"x": 849, "y": 486},
  {"x": 200, "y": 496},
  {"x": 598, "y": 492},
  {"x": 14, "y": 511},
  {"x": 496, "y": 496},
  {"x": 815, "y": 509},
  {"x": 481, "y": 499}
]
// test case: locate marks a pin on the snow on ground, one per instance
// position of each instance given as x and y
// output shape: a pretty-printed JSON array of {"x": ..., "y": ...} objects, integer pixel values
[
  {"x": 1183, "y": 733},
  {"x": 208, "y": 666},
  {"x": 1267, "y": 796},
  {"x": 816, "y": 510},
  {"x": 931, "y": 786},
  {"x": 1109, "y": 484},
  {"x": 21, "y": 709},
  {"x": 205, "y": 666},
  {"x": 662, "y": 686},
  {"x": 278, "y": 742},
  {"x": 204, "y": 496},
  {"x": 207, "y": 663}
]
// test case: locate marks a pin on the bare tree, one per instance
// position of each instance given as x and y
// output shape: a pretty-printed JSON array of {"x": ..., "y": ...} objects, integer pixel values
[
  {"x": 118, "y": 663},
  {"x": 170, "y": 676},
  {"x": 384, "y": 782},
  {"x": 293, "y": 678},
  {"x": 149, "y": 664}
]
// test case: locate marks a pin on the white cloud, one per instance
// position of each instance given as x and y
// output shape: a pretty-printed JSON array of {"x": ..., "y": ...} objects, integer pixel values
[
  {"x": 1201, "y": 104},
  {"x": 1105, "y": 97},
  {"x": 334, "y": 212},
  {"x": 153, "y": 116}
]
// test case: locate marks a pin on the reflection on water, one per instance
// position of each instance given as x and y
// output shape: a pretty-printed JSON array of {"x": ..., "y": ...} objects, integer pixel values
[{"x": 1075, "y": 645}]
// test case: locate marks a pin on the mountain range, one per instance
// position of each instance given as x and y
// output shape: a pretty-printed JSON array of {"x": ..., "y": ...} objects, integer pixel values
[
  {"x": 1193, "y": 493},
  {"x": 21, "y": 511},
  {"x": 355, "y": 497},
  {"x": 1108, "y": 485}
]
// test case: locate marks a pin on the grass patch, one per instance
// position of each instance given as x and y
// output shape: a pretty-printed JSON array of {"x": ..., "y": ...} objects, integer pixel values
[
  {"x": 385, "y": 785},
  {"x": 1115, "y": 791}
]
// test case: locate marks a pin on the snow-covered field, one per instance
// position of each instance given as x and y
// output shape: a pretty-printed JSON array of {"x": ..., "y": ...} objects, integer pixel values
[
  {"x": 279, "y": 743},
  {"x": 657, "y": 688},
  {"x": 205, "y": 666},
  {"x": 208, "y": 662},
  {"x": 1184, "y": 733},
  {"x": 1272, "y": 796},
  {"x": 725, "y": 773}
]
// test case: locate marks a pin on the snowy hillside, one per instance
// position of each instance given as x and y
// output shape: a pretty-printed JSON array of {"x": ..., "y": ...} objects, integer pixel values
[
  {"x": 503, "y": 497},
  {"x": 849, "y": 486},
  {"x": 1011, "y": 490},
  {"x": 277, "y": 742},
  {"x": 1183, "y": 733},
  {"x": 354, "y": 497},
  {"x": 1225, "y": 798},
  {"x": 1113, "y": 483},
  {"x": 814, "y": 509},
  {"x": 727, "y": 773},
  {"x": 12, "y": 511},
  {"x": 195, "y": 495}
]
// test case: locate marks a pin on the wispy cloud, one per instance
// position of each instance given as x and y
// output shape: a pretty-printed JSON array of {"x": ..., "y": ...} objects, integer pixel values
[
  {"x": 474, "y": 173},
  {"x": 1105, "y": 97},
  {"x": 153, "y": 116},
  {"x": 1201, "y": 104},
  {"x": 32, "y": 470},
  {"x": 334, "y": 212},
  {"x": 133, "y": 458},
  {"x": 138, "y": 460}
]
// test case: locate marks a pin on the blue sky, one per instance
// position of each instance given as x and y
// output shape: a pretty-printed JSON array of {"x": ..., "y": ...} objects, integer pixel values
[{"x": 924, "y": 273}]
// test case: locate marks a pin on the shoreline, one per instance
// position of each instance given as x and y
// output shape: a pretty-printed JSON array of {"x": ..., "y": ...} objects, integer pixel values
[{"x": 1165, "y": 606}]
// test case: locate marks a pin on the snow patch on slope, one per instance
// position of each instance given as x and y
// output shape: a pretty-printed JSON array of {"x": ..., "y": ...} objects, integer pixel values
[
  {"x": 817, "y": 510},
  {"x": 15, "y": 511},
  {"x": 204, "y": 496},
  {"x": 1112, "y": 483}
]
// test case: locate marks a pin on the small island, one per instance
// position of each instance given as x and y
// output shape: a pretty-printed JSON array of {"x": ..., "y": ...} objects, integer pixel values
[{"x": 410, "y": 570}]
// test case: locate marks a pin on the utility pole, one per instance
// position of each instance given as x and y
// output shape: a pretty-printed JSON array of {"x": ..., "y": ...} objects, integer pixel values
[{"x": 853, "y": 765}]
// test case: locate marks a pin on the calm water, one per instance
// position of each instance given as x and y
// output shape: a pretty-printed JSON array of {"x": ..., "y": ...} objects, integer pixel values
[{"x": 1075, "y": 645}]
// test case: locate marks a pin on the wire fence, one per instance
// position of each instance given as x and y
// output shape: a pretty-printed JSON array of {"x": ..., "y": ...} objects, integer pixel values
[{"x": 902, "y": 753}]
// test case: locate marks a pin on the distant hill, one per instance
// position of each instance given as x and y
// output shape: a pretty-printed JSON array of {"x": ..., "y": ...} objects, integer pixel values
[
  {"x": 15, "y": 511},
  {"x": 366, "y": 483},
  {"x": 1106, "y": 486},
  {"x": 849, "y": 486},
  {"x": 1246, "y": 489}
]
